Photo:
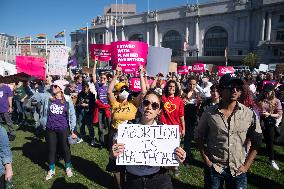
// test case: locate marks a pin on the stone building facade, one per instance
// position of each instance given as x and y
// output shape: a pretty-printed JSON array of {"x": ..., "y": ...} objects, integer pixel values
[{"x": 200, "y": 31}]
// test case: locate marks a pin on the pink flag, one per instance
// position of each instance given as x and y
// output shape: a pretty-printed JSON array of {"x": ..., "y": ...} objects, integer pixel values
[
  {"x": 182, "y": 70},
  {"x": 34, "y": 66},
  {"x": 198, "y": 67},
  {"x": 129, "y": 55},
  {"x": 135, "y": 84},
  {"x": 222, "y": 70},
  {"x": 100, "y": 51}
]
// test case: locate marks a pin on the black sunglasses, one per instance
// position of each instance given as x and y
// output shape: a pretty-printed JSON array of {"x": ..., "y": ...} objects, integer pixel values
[
  {"x": 154, "y": 105},
  {"x": 237, "y": 87},
  {"x": 55, "y": 86}
]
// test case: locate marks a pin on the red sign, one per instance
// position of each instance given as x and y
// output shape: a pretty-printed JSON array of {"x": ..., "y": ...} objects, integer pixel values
[
  {"x": 198, "y": 68},
  {"x": 100, "y": 52},
  {"x": 182, "y": 70},
  {"x": 34, "y": 66},
  {"x": 222, "y": 70},
  {"x": 129, "y": 55},
  {"x": 134, "y": 84}
]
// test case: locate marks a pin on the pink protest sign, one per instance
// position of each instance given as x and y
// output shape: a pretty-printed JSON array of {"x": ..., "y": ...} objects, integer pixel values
[
  {"x": 34, "y": 66},
  {"x": 135, "y": 84},
  {"x": 100, "y": 51},
  {"x": 267, "y": 82},
  {"x": 222, "y": 70},
  {"x": 198, "y": 68},
  {"x": 129, "y": 55},
  {"x": 182, "y": 70}
]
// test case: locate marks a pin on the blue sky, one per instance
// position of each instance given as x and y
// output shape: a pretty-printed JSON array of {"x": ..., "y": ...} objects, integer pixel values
[{"x": 30, "y": 17}]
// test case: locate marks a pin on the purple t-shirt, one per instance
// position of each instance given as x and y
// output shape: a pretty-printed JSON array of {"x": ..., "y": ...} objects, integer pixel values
[
  {"x": 57, "y": 116},
  {"x": 78, "y": 87},
  {"x": 5, "y": 92},
  {"x": 102, "y": 92}
]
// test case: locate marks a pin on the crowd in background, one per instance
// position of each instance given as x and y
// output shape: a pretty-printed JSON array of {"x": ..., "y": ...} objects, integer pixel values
[{"x": 62, "y": 109}]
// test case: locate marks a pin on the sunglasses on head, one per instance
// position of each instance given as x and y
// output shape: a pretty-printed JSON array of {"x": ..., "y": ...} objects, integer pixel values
[
  {"x": 154, "y": 105},
  {"x": 55, "y": 86},
  {"x": 237, "y": 87}
]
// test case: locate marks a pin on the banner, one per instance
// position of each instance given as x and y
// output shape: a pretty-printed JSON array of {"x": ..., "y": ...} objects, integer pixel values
[
  {"x": 222, "y": 70},
  {"x": 134, "y": 84},
  {"x": 152, "y": 145},
  {"x": 198, "y": 68},
  {"x": 101, "y": 51},
  {"x": 58, "y": 60},
  {"x": 34, "y": 66},
  {"x": 158, "y": 60},
  {"x": 129, "y": 55},
  {"x": 182, "y": 70}
]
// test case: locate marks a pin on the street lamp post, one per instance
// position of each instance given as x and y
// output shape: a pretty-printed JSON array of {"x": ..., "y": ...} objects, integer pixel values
[{"x": 197, "y": 51}]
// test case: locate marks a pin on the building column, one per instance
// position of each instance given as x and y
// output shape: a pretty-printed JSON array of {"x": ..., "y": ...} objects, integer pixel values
[
  {"x": 187, "y": 33},
  {"x": 148, "y": 36},
  {"x": 236, "y": 29},
  {"x": 263, "y": 26},
  {"x": 94, "y": 38},
  {"x": 248, "y": 27},
  {"x": 269, "y": 27},
  {"x": 197, "y": 33},
  {"x": 156, "y": 36}
]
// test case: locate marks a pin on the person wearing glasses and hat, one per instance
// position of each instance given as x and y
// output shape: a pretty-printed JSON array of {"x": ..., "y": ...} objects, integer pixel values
[
  {"x": 123, "y": 110},
  {"x": 225, "y": 127},
  {"x": 58, "y": 117}
]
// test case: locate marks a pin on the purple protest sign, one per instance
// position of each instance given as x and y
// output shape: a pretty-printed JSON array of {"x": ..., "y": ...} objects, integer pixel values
[{"x": 129, "y": 55}]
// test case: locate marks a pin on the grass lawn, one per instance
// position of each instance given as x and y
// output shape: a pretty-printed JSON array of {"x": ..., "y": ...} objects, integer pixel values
[{"x": 30, "y": 167}]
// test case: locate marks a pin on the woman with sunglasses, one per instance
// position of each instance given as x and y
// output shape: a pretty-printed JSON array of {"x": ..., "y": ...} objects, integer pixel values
[
  {"x": 59, "y": 118},
  {"x": 124, "y": 109},
  {"x": 138, "y": 177}
]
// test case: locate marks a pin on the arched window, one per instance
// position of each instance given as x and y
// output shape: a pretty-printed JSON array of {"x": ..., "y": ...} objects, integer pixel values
[
  {"x": 136, "y": 37},
  {"x": 172, "y": 40},
  {"x": 215, "y": 42}
]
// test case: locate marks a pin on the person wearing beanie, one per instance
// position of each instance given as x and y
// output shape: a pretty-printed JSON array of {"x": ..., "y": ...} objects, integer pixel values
[{"x": 58, "y": 117}]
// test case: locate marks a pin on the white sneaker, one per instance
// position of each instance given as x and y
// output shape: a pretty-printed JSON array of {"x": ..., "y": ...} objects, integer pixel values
[
  {"x": 274, "y": 165},
  {"x": 50, "y": 174},
  {"x": 80, "y": 140},
  {"x": 69, "y": 172}
]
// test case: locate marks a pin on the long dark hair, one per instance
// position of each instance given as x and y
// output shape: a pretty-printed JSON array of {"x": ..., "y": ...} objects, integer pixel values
[
  {"x": 166, "y": 88},
  {"x": 151, "y": 91}
]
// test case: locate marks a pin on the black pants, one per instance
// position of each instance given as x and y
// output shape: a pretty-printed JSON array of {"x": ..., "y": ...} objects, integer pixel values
[
  {"x": 268, "y": 134},
  {"x": 8, "y": 118},
  {"x": 54, "y": 138},
  {"x": 2, "y": 182}
]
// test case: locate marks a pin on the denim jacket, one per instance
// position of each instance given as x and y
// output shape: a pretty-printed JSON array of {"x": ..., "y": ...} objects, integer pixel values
[
  {"x": 43, "y": 98},
  {"x": 5, "y": 151}
]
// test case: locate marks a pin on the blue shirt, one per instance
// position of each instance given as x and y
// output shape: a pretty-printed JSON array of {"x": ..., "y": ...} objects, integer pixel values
[{"x": 5, "y": 151}]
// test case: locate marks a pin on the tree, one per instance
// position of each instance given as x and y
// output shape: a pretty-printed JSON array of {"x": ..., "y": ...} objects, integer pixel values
[{"x": 251, "y": 60}]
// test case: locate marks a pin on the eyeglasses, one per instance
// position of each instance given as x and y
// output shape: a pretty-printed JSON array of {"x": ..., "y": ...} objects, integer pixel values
[
  {"x": 103, "y": 78},
  {"x": 237, "y": 87},
  {"x": 154, "y": 105}
]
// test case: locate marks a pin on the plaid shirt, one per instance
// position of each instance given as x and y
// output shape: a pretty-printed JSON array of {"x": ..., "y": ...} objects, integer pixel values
[{"x": 226, "y": 137}]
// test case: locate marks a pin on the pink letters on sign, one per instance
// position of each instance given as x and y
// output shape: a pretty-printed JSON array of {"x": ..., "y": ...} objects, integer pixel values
[
  {"x": 34, "y": 66},
  {"x": 135, "y": 84},
  {"x": 129, "y": 55},
  {"x": 198, "y": 68},
  {"x": 182, "y": 70},
  {"x": 101, "y": 51},
  {"x": 222, "y": 70}
]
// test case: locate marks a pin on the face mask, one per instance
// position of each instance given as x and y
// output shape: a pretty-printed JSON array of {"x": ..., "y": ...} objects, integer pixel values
[{"x": 124, "y": 95}]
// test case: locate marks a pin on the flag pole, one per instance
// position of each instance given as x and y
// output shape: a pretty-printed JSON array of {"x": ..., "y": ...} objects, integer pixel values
[
  {"x": 148, "y": 7},
  {"x": 115, "y": 38},
  {"x": 65, "y": 37},
  {"x": 88, "y": 61}
]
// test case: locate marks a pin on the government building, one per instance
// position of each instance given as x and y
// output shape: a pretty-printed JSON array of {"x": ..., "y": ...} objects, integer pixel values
[{"x": 196, "y": 32}]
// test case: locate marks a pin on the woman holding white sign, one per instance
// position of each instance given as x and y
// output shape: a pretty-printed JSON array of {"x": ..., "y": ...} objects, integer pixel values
[{"x": 141, "y": 176}]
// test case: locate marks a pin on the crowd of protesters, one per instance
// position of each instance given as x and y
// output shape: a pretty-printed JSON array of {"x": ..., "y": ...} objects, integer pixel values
[{"x": 228, "y": 117}]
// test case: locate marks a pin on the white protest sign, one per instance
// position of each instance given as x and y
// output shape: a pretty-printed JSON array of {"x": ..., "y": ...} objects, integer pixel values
[
  {"x": 152, "y": 145},
  {"x": 58, "y": 60},
  {"x": 263, "y": 68},
  {"x": 158, "y": 60}
]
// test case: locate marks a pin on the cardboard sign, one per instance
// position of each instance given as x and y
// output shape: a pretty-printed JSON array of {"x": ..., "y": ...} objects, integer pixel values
[
  {"x": 58, "y": 60},
  {"x": 100, "y": 52},
  {"x": 129, "y": 55},
  {"x": 182, "y": 70},
  {"x": 279, "y": 68},
  {"x": 159, "y": 60},
  {"x": 152, "y": 145},
  {"x": 263, "y": 67},
  {"x": 34, "y": 66},
  {"x": 222, "y": 70},
  {"x": 198, "y": 68},
  {"x": 134, "y": 84}
]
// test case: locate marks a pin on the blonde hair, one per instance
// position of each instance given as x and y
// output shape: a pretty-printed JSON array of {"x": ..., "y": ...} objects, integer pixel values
[{"x": 271, "y": 101}]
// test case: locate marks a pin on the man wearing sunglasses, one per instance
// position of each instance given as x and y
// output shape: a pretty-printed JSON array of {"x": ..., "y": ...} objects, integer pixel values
[{"x": 225, "y": 127}]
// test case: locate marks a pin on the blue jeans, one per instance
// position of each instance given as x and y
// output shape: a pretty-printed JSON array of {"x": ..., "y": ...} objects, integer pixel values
[{"x": 215, "y": 180}]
